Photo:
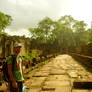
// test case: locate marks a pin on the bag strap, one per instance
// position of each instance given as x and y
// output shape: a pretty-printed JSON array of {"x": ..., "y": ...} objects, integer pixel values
[{"x": 13, "y": 61}]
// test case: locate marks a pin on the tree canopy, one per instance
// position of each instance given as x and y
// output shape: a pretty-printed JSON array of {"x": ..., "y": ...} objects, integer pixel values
[
  {"x": 5, "y": 20},
  {"x": 66, "y": 32}
]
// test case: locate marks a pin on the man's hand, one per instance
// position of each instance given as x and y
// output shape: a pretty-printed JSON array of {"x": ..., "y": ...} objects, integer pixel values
[
  {"x": 14, "y": 84},
  {"x": 23, "y": 81}
]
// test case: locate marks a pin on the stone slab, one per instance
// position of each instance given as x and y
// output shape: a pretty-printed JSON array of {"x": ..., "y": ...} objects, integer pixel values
[
  {"x": 40, "y": 74},
  {"x": 45, "y": 68},
  {"x": 57, "y": 77},
  {"x": 78, "y": 90},
  {"x": 37, "y": 89},
  {"x": 37, "y": 83},
  {"x": 38, "y": 78},
  {"x": 63, "y": 89},
  {"x": 57, "y": 72},
  {"x": 54, "y": 84},
  {"x": 73, "y": 74},
  {"x": 48, "y": 91}
]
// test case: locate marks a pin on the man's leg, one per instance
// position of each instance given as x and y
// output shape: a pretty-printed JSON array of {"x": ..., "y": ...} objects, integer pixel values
[
  {"x": 13, "y": 89},
  {"x": 20, "y": 86}
]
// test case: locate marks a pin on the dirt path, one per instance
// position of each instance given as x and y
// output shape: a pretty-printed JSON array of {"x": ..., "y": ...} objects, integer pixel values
[{"x": 57, "y": 76}]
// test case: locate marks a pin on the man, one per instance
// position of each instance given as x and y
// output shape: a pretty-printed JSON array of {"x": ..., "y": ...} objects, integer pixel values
[{"x": 15, "y": 70}]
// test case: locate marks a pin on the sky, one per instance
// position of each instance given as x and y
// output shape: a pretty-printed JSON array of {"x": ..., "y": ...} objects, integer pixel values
[{"x": 27, "y": 13}]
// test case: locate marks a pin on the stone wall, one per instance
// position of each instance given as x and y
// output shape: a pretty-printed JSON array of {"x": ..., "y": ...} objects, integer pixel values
[{"x": 7, "y": 44}]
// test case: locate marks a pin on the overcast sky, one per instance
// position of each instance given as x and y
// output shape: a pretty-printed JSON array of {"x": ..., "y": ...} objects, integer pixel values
[{"x": 27, "y": 13}]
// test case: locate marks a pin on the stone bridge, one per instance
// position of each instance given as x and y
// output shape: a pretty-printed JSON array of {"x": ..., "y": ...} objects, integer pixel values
[{"x": 59, "y": 75}]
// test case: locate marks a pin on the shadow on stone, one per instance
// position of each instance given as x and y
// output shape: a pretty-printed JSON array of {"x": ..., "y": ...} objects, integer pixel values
[{"x": 82, "y": 84}]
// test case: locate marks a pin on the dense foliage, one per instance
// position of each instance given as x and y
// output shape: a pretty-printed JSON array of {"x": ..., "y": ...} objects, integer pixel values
[
  {"x": 5, "y": 20},
  {"x": 65, "y": 33}
]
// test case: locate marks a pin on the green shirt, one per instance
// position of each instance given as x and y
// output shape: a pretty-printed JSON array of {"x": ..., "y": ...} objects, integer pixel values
[{"x": 17, "y": 69}]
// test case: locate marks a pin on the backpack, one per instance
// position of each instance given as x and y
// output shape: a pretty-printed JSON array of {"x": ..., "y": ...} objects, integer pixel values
[{"x": 5, "y": 69}]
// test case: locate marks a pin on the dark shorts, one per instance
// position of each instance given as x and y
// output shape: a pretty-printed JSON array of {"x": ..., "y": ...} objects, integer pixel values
[{"x": 19, "y": 89}]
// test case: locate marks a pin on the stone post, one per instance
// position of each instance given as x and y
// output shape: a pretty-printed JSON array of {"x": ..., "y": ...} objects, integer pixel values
[{"x": 2, "y": 46}]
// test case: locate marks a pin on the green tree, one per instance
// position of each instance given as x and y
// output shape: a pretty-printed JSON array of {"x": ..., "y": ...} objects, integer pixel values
[
  {"x": 67, "y": 20},
  {"x": 79, "y": 26},
  {"x": 89, "y": 35},
  {"x": 43, "y": 31},
  {"x": 5, "y": 20},
  {"x": 89, "y": 38},
  {"x": 64, "y": 32},
  {"x": 80, "y": 35}
]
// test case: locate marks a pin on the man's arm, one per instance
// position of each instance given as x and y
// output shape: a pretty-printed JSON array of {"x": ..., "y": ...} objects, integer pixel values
[
  {"x": 10, "y": 72},
  {"x": 14, "y": 83}
]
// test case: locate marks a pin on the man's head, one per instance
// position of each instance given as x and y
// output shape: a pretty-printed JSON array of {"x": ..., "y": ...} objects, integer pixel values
[{"x": 17, "y": 48}]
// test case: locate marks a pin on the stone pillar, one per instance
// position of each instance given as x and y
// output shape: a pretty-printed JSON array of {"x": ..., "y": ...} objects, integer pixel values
[
  {"x": 2, "y": 46},
  {"x": 12, "y": 46},
  {"x": 22, "y": 49},
  {"x": 7, "y": 48}
]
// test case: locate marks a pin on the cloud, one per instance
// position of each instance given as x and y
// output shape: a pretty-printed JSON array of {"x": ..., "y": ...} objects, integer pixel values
[
  {"x": 19, "y": 32},
  {"x": 27, "y": 13}
]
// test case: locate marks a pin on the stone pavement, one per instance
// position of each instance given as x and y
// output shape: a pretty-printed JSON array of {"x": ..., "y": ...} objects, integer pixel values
[{"x": 57, "y": 76}]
